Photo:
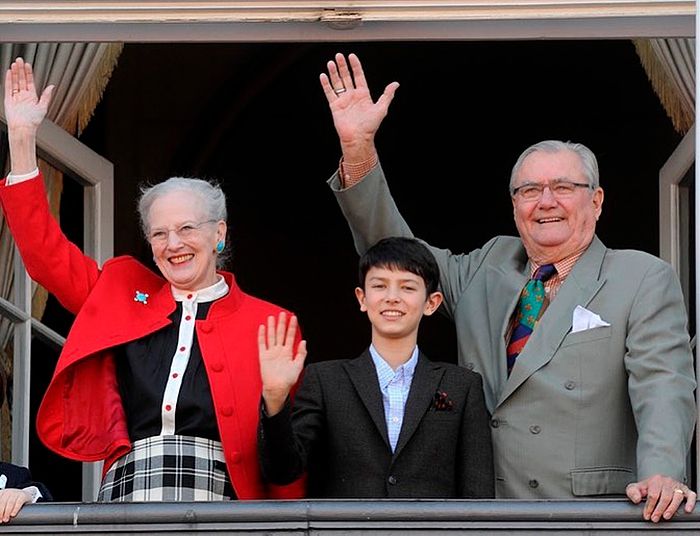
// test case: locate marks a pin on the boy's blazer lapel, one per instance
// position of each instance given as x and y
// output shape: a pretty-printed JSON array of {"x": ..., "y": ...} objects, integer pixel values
[
  {"x": 426, "y": 379},
  {"x": 363, "y": 376},
  {"x": 582, "y": 284}
]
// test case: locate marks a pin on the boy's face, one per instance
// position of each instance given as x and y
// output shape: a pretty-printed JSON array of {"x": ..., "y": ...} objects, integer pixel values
[{"x": 395, "y": 301}]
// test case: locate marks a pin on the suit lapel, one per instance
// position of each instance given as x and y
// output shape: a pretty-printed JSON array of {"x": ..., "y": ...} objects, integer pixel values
[
  {"x": 582, "y": 284},
  {"x": 426, "y": 379},
  {"x": 363, "y": 376},
  {"x": 503, "y": 286}
]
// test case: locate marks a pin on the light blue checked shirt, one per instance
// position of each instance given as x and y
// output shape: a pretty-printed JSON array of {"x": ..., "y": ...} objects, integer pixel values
[{"x": 394, "y": 385}]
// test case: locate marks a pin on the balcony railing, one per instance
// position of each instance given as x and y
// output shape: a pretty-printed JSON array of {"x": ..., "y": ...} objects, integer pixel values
[{"x": 349, "y": 517}]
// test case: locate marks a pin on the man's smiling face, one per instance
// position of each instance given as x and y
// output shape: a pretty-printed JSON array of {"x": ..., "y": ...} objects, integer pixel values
[{"x": 553, "y": 228}]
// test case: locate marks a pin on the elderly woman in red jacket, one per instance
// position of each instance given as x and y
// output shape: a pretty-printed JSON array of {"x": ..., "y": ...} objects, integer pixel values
[{"x": 159, "y": 376}]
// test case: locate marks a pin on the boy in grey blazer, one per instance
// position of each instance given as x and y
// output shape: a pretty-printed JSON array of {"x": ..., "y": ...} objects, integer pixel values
[{"x": 389, "y": 423}]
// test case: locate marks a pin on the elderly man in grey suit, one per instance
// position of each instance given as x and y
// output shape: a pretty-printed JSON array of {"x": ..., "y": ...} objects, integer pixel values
[{"x": 587, "y": 368}]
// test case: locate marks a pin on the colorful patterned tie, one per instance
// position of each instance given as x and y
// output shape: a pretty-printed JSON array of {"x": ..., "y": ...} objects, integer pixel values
[{"x": 531, "y": 300}]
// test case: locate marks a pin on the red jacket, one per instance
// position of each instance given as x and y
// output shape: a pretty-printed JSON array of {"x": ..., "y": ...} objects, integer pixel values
[{"x": 81, "y": 416}]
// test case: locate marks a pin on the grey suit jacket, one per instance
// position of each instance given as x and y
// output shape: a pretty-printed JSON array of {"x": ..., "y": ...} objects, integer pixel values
[
  {"x": 337, "y": 433},
  {"x": 584, "y": 413}
]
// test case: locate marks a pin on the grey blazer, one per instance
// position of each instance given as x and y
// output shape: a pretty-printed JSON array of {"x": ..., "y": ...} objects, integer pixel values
[
  {"x": 337, "y": 433},
  {"x": 583, "y": 413}
]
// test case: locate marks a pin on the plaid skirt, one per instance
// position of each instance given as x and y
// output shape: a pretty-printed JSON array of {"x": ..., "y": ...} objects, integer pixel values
[{"x": 169, "y": 468}]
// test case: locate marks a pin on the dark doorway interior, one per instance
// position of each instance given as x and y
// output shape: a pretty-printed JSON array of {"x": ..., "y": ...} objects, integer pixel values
[{"x": 253, "y": 117}]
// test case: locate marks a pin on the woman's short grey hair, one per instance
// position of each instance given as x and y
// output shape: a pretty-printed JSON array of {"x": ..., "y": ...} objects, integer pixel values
[
  {"x": 212, "y": 196},
  {"x": 588, "y": 159}
]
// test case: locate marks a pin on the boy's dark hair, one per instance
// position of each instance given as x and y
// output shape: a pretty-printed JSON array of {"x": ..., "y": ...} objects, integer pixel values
[{"x": 401, "y": 253}]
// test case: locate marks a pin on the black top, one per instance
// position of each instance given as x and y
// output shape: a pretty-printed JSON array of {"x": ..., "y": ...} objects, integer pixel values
[{"x": 143, "y": 367}]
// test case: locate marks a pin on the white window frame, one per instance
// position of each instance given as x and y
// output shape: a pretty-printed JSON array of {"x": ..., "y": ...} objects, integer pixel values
[
  {"x": 96, "y": 175},
  {"x": 341, "y": 20}
]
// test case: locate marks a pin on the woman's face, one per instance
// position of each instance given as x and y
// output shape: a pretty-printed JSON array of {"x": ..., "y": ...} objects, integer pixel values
[{"x": 183, "y": 240}]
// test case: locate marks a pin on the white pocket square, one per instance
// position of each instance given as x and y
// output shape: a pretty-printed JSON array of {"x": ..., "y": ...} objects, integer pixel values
[{"x": 585, "y": 319}]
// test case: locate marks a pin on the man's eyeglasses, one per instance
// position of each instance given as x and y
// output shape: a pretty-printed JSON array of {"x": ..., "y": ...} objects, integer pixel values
[
  {"x": 560, "y": 188},
  {"x": 184, "y": 231}
]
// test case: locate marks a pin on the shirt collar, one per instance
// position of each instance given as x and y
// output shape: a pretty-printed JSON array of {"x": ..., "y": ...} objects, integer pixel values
[
  {"x": 385, "y": 373},
  {"x": 208, "y": 294},
  {"x": 563, "y": 266}
]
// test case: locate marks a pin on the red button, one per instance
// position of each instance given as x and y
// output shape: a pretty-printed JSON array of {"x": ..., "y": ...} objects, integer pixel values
[
  {"x": 168, "y": 407},
  {"x": 174, "y": 374},
  {"x": 217, "y": 367},
  {"x": 188, "y": 317},
  {"x": 236, "y": 457},
  {"x": 189, "y": 296},
  {"x": 182, "y": 348},
  {"x": 227, "y": 411}
]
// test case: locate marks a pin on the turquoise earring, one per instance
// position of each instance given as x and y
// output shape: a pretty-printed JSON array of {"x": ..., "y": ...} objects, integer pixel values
[{"x": 219, "y": 246}]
